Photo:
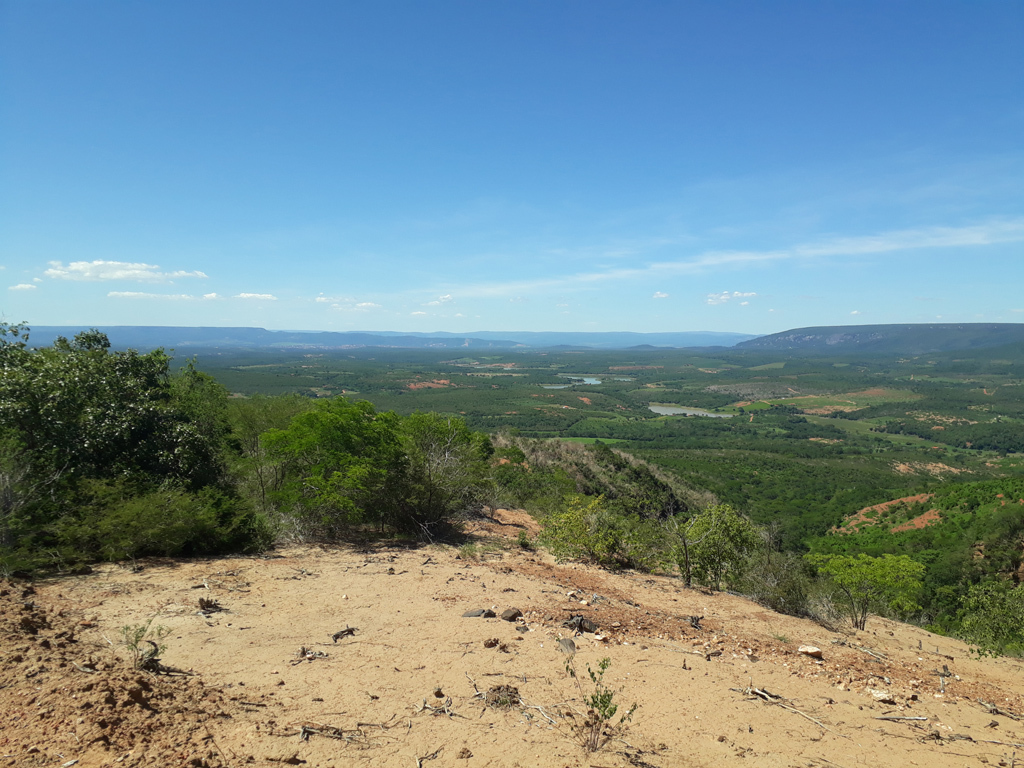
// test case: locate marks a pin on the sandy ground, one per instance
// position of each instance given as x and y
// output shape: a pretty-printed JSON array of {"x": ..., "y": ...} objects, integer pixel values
[{"x": 410, "y": 686}]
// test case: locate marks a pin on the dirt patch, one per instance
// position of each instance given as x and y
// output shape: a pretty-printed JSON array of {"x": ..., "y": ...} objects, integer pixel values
[
  {"x": 825, "y": 410},
  {"x": 435, "y": 384},
  {"x": 585, "y": 400},
  {"x": 874, "y": 392},
  {"x": 866, "y": 517},
  {"x": 921, "y": 521},
  {"x": 411, "y": 680},
  {"x": 63, "y": 697},
  {"x": 503, "y": 523},
  {"x": 935, "y": 468}
]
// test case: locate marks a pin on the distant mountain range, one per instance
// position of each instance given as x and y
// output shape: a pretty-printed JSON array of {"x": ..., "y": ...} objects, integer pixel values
[
  {"x": 185, "y": 338},
  {"x": 917, "y": 339}
]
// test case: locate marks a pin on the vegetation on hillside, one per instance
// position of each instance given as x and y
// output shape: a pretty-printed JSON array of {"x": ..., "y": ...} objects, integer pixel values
[{"x": 112, "y": 454}]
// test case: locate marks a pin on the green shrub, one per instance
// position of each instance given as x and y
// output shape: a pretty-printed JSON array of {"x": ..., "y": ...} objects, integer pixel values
[
  {"x": 117, "y": 523},
  {"x": 778, "y": 581},
  {"x": 992, "y": 619}
]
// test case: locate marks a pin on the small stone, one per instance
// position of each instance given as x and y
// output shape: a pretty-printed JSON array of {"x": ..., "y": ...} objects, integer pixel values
[
  {"x": 810, "y": 650},
  {"x": 511, "y": 614}
]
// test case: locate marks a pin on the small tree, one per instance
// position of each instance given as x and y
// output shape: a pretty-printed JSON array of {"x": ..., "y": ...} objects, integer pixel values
[
  {"x": 712, "y": 545},
  {"x": 888, "y": 583},
  {"x": 447, "y": 472}
]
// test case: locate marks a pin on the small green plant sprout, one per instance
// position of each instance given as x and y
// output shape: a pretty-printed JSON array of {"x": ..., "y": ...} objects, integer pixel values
[
  {"x": 597, "y": 729},
  {"x": 142, "y": 643},
  {"x": 524, "y": 541}
]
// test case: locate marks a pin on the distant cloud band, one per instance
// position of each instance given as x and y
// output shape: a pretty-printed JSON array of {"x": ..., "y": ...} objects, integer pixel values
[
  {"x": 1002, "y": 231},
  {"x": 92, "y": 271}
]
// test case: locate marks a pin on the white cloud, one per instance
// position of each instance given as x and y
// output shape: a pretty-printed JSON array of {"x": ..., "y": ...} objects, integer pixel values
[
  {"x": 22, "y": 287},
  {"x": 855, "y": 312},
  {"x": 659, "y": 295},
  {"x": 258, "y": 296},
  {"x": 744, "y": 303},
  {"x": 367, "y": 305},
  {"x": 1001, "y": 231},
  {"x": 143, "y": 295},
  {"x": 37, "y": 279},
  {"x": 459, "y": 314},
  {"x": 418, "y": 313},
  {"x": 446, "y": 299},
  {"x": 93, "y": 271},
  {"x": 322, "y": 300},
  {"x": 210, "y": 296},
  {"x": 724, "y": 296}
]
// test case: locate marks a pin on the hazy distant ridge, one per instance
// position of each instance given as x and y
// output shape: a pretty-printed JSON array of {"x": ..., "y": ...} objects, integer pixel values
[
  {"x": 184, "y": 338},
  {"x": 916, "y": 339}
]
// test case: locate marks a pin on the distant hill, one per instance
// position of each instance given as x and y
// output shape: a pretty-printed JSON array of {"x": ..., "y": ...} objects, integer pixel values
[
  {"x": 918, "y": 339},
  {"x": 601, "y": 340},
  {"x": 184, "y": 338}
]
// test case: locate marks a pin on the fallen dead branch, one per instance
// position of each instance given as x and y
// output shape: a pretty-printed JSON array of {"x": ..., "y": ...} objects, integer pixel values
[
  {"x": 994, "y": 710},
  {"x": 346, "y": 632},
  {"x": 444, "y": 708},
  {"x": 778, "y": 701},
  {"x": 351, "y": 735},
  {"x": 432, "y": 756}
]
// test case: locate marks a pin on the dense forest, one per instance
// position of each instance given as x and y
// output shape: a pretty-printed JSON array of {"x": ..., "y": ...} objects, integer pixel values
[{"x": 731, "y": 468}]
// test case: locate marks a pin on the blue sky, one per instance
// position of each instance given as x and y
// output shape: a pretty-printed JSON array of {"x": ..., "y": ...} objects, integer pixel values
[{"x": 460, "y": 166}]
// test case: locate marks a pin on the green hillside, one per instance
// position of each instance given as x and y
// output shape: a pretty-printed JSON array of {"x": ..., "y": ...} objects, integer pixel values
[{"x": 889, "y": 339}]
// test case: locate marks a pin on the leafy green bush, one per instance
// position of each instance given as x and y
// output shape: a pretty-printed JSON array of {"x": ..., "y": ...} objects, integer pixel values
[
  {"x": 116, "y": 523},
  {"x": 589, "y": 529},
  {"x": 992, "y": 618},
  {"x": 583, "y": 529}
]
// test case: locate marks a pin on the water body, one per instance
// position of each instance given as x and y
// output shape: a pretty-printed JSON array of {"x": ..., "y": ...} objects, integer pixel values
[
  {"x": 678, "y": 410},
  {"x": 575, "y": 377}
]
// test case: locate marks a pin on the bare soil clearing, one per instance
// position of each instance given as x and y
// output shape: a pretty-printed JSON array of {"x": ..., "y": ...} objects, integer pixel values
[{"x": 418, "y": 684}]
